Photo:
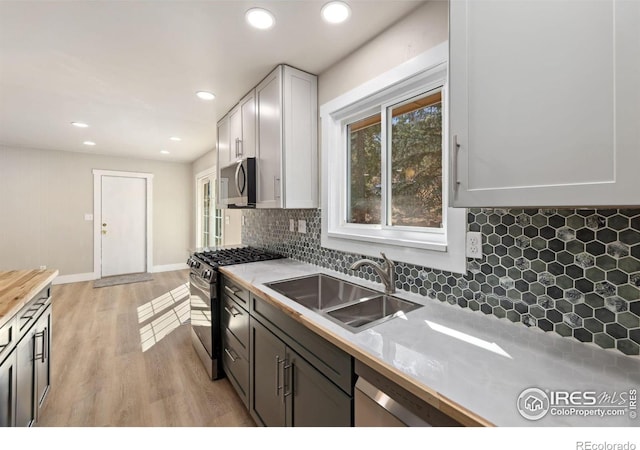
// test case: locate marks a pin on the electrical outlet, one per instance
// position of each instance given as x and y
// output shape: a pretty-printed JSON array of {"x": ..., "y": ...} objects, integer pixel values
[
  {"x": 474, "y": 244},
  {"x": 43, "y": 267},
  {"x": 227, "y": 220},
  {"x": 292, "y": 225},
  {"x": 88, "y": 217},
  {"x": 302, "y": 226},
  {"x": 242, "y": 220}
]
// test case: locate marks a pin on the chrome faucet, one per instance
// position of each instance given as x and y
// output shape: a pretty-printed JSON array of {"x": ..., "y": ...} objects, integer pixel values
[{"x": 386, "y": 271}]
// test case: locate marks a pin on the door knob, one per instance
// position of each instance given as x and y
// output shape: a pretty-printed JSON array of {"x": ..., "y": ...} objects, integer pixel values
[
  {"x": 104, "y": 231},
  {"x": 104, "y": 224}
]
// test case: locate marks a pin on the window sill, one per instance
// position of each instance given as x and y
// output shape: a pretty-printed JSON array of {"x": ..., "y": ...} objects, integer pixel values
[{"x": 432, "y": 246}]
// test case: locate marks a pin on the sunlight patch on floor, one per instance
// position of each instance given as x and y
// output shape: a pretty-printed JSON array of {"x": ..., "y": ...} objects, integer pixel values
[
  {"x": 163, "y": 321},
  {"x": 161, "y": 303}
]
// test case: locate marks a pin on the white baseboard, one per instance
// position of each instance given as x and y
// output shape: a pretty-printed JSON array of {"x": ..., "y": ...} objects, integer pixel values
[
  {"x": 170, "y": 267},
  {"x": 90, "y": 276},
  {"x": 74, "y": 278}
]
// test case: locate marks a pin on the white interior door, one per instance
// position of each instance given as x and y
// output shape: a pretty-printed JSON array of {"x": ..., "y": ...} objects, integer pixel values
[{"x": 124, "y": 225}]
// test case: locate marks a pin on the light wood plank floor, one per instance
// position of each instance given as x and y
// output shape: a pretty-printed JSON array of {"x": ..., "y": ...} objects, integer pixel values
[{"x": 102, "y": 377}]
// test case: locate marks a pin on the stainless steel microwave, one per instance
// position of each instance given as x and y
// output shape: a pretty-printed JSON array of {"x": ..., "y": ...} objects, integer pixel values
[{"x": 237, "y": 184}]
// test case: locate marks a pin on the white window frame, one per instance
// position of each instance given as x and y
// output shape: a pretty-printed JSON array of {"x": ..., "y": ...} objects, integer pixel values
[{"x": 443, "y": 248}]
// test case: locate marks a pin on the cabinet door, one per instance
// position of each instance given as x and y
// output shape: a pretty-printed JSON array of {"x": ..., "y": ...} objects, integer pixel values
[
  {"x": 313, "y": 400},
  {"x": 300, "y": 142},
  {"x": 267, "y": 379},
  {"x": 247, "y": 147},
  {"x": 235, "y": 133},
  {"x": 42, "y": 360},
  {"x": 224, "y": 156},
  {"x": 8, "y": 391},
  {"x": 25, "y": 381},
  {"x": 269, "y": 142},
  {"x": 544, "y": 102}
]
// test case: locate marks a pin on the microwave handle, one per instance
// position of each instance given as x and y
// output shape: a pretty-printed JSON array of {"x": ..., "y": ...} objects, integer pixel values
[{"x": 238, "y": 188}]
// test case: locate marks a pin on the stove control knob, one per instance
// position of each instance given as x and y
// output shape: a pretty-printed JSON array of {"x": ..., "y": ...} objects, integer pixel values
[
  {"x": 206, "y": 274},
  {"x": 190, "y": 262},
  {"x": 196, "y": 264}
]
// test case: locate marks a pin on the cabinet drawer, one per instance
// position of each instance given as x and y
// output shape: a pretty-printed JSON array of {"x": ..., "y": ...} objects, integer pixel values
[
  {"x": 236, "y": 320},
  {"x": 236, "y": 366},
  {"x": 32, "y": 310},
  {"x": 236, "y": 292},
  {"x": 8, "y": 337},
  {"x": 334, "y": 363}
]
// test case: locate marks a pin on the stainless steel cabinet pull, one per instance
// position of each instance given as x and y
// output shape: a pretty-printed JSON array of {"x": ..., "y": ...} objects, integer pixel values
[
  {"x": 233, "y": 359},
  {"x": 454, "y": 165},
  {"x": 40, "y": 355},
  {"x": 240, "y": 147},
  {"x": 278, "y": 387},
  {"x": 288, "y": 379},
  {"x": 231, "y": 311},
  {"x": 230, "y": 291},
  {"x": 276, "y": 187}
]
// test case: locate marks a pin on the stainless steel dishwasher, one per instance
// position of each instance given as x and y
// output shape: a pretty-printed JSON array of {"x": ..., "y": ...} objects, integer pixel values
[{"x": 379, "y": 402}]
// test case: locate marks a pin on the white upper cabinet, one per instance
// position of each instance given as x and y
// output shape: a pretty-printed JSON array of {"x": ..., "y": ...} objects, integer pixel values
[
  {"x": 242, "y": 128},
  {"x": 287, "y": 166},
  {"x": 544, "y": 103},
  {"x": 224, "y": 154}
]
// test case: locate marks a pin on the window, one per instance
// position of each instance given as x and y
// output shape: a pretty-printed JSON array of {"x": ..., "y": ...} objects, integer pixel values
[
  {"x": 384, "y": 168},
  {"x": 410, "y": 195}
]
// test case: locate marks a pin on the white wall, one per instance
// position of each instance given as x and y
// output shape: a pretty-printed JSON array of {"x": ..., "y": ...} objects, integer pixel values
[
  {"x": 45, "y": 194},
  {"x": 421, "y": 30}
]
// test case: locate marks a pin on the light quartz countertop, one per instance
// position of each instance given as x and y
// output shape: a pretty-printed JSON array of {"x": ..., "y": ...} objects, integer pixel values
[
  {"x": 18, "y": 287},
  {"x": 471, "y": 366}
]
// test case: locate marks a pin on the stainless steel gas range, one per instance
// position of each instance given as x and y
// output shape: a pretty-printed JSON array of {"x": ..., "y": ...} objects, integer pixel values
[{"x": 204, "y": 286}]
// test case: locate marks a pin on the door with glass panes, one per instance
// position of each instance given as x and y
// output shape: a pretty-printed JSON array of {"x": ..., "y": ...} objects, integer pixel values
[{"x": 209, "y": 217}]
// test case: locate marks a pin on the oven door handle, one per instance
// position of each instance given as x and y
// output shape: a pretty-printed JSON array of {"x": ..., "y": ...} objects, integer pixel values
[{"x": 198, "y": 282}]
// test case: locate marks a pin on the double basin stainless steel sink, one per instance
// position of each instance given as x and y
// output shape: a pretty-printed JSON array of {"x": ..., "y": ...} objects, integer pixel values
[{"x": 353, "y": 307}]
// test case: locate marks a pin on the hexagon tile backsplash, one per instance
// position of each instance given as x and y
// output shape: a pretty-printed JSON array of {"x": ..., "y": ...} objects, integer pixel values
[{"x": 572, "y": 272}]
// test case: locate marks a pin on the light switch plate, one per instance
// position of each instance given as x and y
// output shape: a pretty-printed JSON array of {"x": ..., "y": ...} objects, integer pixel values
[
  {"x": 292, "y": 225},
  {"x": 302, "y": 226},
  {"x": 227, "y": 219},
  {"x": 88, "y": 217},
  {"x": 474, "y": 244}
]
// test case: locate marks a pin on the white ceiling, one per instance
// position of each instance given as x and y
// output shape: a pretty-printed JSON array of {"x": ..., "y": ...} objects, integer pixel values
[{"x": 130, "y": 69}]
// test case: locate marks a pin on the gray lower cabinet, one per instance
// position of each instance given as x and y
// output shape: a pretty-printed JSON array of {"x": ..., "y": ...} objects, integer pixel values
[
  {"x": 33, "y": 370},
  {"x": 42, "y": 358},
  {"x": 284, "y": 373},
  {"x": 268, "y": 355},
  {"x": 25, "y": 362},
  {"x": 288, "y": 391},
  {"x": 235, "y": 338},
  {"x": 313, "y": 400},
  {"x": 8, "y": 391}
]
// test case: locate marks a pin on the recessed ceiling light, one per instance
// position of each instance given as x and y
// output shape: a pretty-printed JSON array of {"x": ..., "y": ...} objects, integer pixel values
[
  {"x": 91, "y": 143},
  {"x": 335, "y": 12},
  {"x": 204, "y": 95},
  {"x": 175, "y": 138},
  {"x": 79, "y": 124},
  {"x": 164, "y": 152},
  {"x": 260, "y": 18}
]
